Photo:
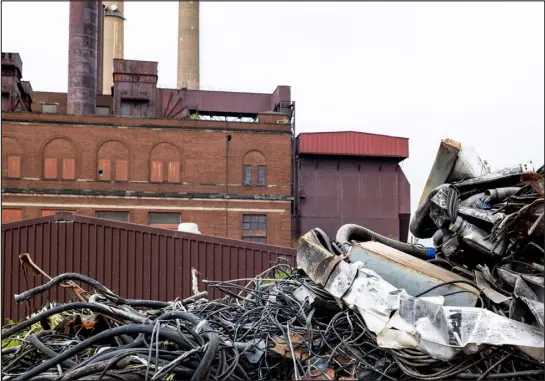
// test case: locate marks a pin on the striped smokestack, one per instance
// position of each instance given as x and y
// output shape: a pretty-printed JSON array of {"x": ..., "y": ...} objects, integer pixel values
[{"x": 188, "y": 45}]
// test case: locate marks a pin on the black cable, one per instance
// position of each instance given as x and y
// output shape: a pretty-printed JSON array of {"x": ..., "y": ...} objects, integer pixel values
[
  {"x": 468, "y": 291},
  {"x": 113, "y": 332},
  {"x": 64, "y": 277},
  {"x": 35, "y": 341},
  {"x": 62, "y": 308},
  {"x": 490, "y": 369},
  {"x": 211, "y": 335},
  {"x": 518, "y": 374},
  {"x": 447, "y": 283},
  {"x": 351, "y": 232}
]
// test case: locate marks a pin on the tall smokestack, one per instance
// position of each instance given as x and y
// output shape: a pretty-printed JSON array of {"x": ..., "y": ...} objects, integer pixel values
[
  {"x": 100, "y": 47},
  {"x": 188, "y": 45},
  {"x": 114, "y": 38},
  {"x": 82, "y": 57}
]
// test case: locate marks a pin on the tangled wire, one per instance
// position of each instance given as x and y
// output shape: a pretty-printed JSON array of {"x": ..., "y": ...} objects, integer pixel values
[{"x": 279, "y": 325}]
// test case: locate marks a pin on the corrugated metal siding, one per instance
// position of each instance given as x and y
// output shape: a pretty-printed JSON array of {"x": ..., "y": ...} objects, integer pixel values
[
  {"x": 136, "y": 261},
  {"x": 333, "y": 191},
  {"x": 352, "y": 144}
]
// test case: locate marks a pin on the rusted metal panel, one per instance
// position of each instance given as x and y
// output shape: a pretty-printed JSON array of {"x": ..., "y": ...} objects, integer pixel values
[
  {"x": 156, "y": 171},
  {"x": 13, "y": 59},
  {"x": 82, "y": 57},
  {"x": 121, "y": 170},
  {"x": 136, "y": 261},
  {"x": 69, "y": 168},
  {"x": 14, "y": 166},
  {"x": 50, "y": 168},
  {"x": 11, "y": 215},
  {"x": 104, "y": 166},
  {"x": 174, "y": 172},
  {"x": 134, "y": 67},
  {"x": 353, "y": 144}
]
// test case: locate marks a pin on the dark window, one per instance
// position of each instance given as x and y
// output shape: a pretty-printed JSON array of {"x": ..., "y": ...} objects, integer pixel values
[
  {"x": 260, "y": 175},
  {"x": 247, "y": 175},
  {"x": 254, "y": 228},
  {"x": 254, "y": 222},
  {"x": 156, "y": 218},
  {"x": 114, "y": 216},
  {"x": 255, "y": 239}
]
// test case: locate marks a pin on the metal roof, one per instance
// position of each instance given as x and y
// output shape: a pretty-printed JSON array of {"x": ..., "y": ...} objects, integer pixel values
[{"x": 351, "y": 143}]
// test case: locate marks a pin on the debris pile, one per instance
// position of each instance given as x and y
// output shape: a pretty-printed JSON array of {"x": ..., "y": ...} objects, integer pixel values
[
  {"x": 283, "y": 324},
  {"x": 488, "y": 227},
  {"x": 361, "y": 306}
]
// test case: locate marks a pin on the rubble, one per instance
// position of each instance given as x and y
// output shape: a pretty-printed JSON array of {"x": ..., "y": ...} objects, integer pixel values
[{"x": 360, "y": 306}]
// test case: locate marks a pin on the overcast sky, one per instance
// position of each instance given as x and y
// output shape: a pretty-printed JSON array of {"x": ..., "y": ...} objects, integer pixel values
[{"x": 469, "y": 71}]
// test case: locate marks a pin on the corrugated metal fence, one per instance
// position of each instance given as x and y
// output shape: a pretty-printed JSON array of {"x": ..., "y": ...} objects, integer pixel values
[{"x": 135, "y": 261}]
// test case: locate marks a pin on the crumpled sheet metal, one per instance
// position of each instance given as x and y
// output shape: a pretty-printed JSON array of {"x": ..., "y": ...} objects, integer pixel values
[
  {"x": 424, "y": 323},
  {"x": 413, "y": 274},
  {"x": 527, "y": 296},
  {"x": 317, "y": 259},
  {"x": 488, "y": 290}
]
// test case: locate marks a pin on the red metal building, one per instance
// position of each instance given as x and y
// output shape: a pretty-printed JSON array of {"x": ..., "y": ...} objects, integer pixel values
[{"x": 351, "y": 177}]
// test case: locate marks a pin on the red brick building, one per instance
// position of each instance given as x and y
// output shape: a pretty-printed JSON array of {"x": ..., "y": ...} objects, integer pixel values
[{"x": 150, "y": 155}]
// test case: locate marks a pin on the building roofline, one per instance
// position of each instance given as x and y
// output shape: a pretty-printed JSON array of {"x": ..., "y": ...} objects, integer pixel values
[
  {"x": 357, "y": 132},
  {"x": 116, "y": 121}
]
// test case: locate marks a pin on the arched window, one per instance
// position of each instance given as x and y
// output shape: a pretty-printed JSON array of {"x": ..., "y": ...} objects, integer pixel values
[
  {"x": 164, "y": 161},
  {"x": 59, "y": 159},
  {"x": 11, "y": 158},
  {"x": 113, "y": 161},
  {"x": 254, "y": 169}
]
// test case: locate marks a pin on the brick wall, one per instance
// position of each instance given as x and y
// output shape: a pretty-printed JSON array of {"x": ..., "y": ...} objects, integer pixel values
[{"x": 211, "y": 170}]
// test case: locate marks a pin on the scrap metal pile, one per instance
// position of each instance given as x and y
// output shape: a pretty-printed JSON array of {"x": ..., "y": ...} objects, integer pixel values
[
  {"x": 361, "y": 306},
  {"x": 489, "y": 228},
  {"x": 283, "y": 324}
]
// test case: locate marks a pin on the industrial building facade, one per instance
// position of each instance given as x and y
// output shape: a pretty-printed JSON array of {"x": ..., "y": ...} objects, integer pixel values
[
  {"x": 153, "y": 174},
  {"x": 154, "y": 166},
  {"x": 118, "y": 147}
]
